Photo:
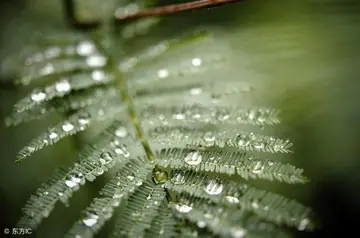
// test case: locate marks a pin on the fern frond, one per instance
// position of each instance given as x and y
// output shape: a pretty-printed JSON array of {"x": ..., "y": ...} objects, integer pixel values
[
  {"x": 182, "y": 136},
  {"x": 240, "y": 163},
  {"x": 213, "y": 115},
  {"x": 270, "y": 207},
  {"x": 125, "y": 182},
  {"x": 140, "y": 211},
  {"x": 163, "y": 225},
  {"x": 224, "y": 222},
  {"x": 68, "y": 103},
  {"x": 106, "y": 151},
  {"x": 63, "y": 87},
  {"x": 74, "y": 124}
]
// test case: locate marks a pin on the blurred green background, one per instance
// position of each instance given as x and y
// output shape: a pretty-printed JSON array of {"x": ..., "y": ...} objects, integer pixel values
[{"x": 308, "y": 49}]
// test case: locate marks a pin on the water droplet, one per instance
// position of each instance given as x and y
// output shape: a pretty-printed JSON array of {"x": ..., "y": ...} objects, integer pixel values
[
  {"x": 303, "y": 224},
  {"x": 52, "y": 135},
  {"x": 254, "y": 205},
  {"x": 258, "y": 168},
  {"x": 243, "y": 140},
  {"x": 73, "y": 179},
  {"x": 201, "y": 224},
  {"x": 163, "y": 73},
  {"x": 84, "y": 118},
  {"x": 139, "y": 182},
  {"x": 99, "y": 170},
  {"x": 47, "y": 69},
  {"x": 237, "y": 232},
  {"x": 196, "y": 91},
  {"x": 105, "y": 158},
  {"x": 90, "y": 220},
  {"x": 130, "y": 177},
  {"x": 182, "y": 208},
  {"x": 179, "y": 116},
  {"x": 62, "y": 86},
  {"x": 231, "y": 200},
  {"x": 98, "y": 75},
  {"x": 131, "y": 8},
  {"x": 96, "y": 61},
  {"x": 67, "y": 126},
  {"x": 178, "y": 178},
  {"x": 122, "y": 150},
  {"x": 196, "y": 62},
  {"x": 38, "y": 96},
  {"x": 85, "y": 48},
  {"x": 193, "y": 158},
  {"x": 121, "y": 132},
  {"x": 209, "y": 137},
  {"x": 214, "y": 187}
]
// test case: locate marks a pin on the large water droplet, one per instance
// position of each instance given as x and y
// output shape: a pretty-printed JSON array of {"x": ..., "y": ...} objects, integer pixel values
[
  {"x": 214, "y": 187},
  {"x": 67, "y": 126},
  {"x": 84, "y": 118},
  {"x": 209, "y": 137},
  {"x": 105, "y": 158},
  {"x": 38, "y": 96},
  {"x": 62, "y": 86},
  {"x": 99, "y": 170},
  {"x": 85, "y": 48},
  {"x": 178, "y": 178},
  {"x": 201, "y": 224},
  {"x": 231, "y": 200},
  {"x": 237, "y": 232},
  {"x": 121, "y": 132},
  {"x": 73, "y": 179},
  {"x": 193, "y": 158},
  {"x": 90, "y": 220},
  {"x": 183, "y": 208},
  {"x": 179, "y": 116},
  {"x": 196, "y": 91},
  {"x": 243, "y": 140}
]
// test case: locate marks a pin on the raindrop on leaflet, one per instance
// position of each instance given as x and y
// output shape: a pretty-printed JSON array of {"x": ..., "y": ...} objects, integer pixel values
[
  {"x": 98, "y": 75},
  {"x": 231, "y": 200},
  {"x": 99, "y": 170},
  {"x": 96, "y": 61},
  {"x": 67, "y": 126},
  {"x": 237, "y": 232},
  {"x": 84, "y": 118},
  {"x": 209, "y": 137},
  {"x": 162, "y": 73},
  {"x": 183, "y": 208},
  {"x": 85, "y": 48},
  {"x": 52, "y": 135},
  {"x": 130, "y": 177},
  {"x": 178, "y": 179},
  {"x": 122, "y": 150},
  {"x": 90, "y": 220},
  {"x": 62, "y": 86},
  {"x": 38, "y": 96},
  {"x": 105, "y": 158},
  {"x": 196, "y": 62},
  {"x": 303, "y": 224},
  {"x": 196, "y": 91},
  {"x": 121, "y": 132},
  {"x": 214, "y": 187},
  {"x": 74, "y": 179},
  {"x": 193, "y": 158}
]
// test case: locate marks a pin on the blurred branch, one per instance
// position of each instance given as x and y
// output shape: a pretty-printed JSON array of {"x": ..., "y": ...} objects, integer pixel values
[{"x": 70, "y": 11}]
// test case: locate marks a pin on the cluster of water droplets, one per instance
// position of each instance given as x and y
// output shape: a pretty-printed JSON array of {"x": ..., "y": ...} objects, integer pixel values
[
  {"x": 262, "y": 143},
  {"x": 193, "y": 158},
  {"x": 213, "y": 187}
]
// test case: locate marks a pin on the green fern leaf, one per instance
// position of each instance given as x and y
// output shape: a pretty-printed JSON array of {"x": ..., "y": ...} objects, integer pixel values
[{"x": 184, "y": 139}]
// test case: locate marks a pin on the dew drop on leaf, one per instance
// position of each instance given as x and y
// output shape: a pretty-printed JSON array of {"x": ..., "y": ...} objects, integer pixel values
[
  {"x": 193, "y": 158},
  {"x": 183, "y": 208},
  {"x": 96, "y": 60},
  {"x": 121, "y": 132},
  {"x": 179, "y": 116},
  {"x": 201, "y": 224},
  {"x": 213, "y": 187},
  {"x": 196, "y": 62},
  {"x": 38, "y": 96},
  {"x": 303, "y": 224},
  {"x": 231, "y": 200},
  {"x": 85, "y": 48},
  {"x": 53, "y": 135},
  {"x": 98, "y": 75},
  {"x": 99, "y": 171},
  {"x": 105, "y": 158},
  {"x": 130, "y": 177},
  {"x": 162, "y": 73},
  {"x": 122, "y": 150},
  {"x": 178, "y": 178},
  {"x": 84, "y": 118},
  {"x": 237, "y": 232},
  {"x": 67, "y": 126},
  {"x": 209, "y": 137},
  {"x": 195, "y": 91},
  {"x": 63, "y": 86},
  {"x": 90, "y": 220}
]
